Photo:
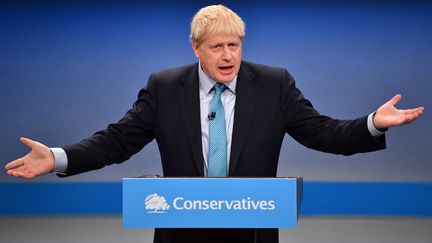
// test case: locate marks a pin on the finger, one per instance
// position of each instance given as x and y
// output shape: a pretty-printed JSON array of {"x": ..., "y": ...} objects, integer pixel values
[
  {"x": 14, "y": 164},
  {"x": 20, "y": 174},
  {"x": 28, "y": 142},
  {"x": 411, "y": 117},
  {"x": 13, "y": 173},
  {"x": 395, "y": 99},
  {"x": 23, "y": 172},
  {"x": 418, "y": 110}
]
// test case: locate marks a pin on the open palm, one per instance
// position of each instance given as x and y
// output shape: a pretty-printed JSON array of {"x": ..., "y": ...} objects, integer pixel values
[
  {"x": 390, "y": 116},
  {"x": 37, "y": 162}
]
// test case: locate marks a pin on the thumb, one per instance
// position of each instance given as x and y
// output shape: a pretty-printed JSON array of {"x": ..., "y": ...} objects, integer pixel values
[
  {"x": 395, "y": 99},
  {"x": 28, "y": 142}
]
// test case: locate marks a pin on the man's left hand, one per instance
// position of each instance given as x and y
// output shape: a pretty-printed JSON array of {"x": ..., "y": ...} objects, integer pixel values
[{"x": 389, "y": 116}]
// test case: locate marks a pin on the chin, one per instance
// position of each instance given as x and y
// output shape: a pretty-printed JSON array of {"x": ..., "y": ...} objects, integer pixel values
[{"x": 225, "y": 80}]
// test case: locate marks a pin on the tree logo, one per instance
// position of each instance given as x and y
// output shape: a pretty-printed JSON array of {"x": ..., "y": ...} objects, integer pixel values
[{"x": 156, "y": 204}]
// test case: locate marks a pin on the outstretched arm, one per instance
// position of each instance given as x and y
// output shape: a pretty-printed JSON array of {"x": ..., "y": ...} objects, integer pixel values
[
  {"x": 389, "y": 116},
  {"x": 37, "y": 162}
]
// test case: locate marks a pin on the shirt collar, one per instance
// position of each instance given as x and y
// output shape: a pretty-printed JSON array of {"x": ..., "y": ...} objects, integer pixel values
[{"x": 206, "y": 83}]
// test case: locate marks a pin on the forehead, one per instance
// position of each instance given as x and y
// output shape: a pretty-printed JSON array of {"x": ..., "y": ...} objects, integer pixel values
[{"x": 221, "y": 38}]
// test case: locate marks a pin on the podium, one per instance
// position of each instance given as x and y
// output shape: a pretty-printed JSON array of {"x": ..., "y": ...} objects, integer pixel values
[{"x": 211, "y": 202}]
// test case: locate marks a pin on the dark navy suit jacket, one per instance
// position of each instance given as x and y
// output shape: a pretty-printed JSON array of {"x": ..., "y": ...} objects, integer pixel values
[{"x": 268, "y": 106}]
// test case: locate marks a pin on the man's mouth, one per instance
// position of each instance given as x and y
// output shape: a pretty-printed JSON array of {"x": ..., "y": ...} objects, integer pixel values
[{"x": 226, "y": 68}]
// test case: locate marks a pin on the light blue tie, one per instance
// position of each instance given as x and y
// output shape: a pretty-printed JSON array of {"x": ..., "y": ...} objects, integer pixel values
[{"x": 217, "y": 155}]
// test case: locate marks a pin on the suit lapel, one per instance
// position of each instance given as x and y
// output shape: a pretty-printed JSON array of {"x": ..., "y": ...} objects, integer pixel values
[
  {"x": 189, "y": 102},
  {"x": 245, "y": 104}
]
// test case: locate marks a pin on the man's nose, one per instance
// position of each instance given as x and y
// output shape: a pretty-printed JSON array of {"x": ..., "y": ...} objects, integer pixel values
[{"x": 226, "y": 55}]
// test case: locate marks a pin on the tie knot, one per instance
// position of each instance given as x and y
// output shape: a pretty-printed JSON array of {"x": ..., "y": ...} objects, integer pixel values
[{"x": 218, "y": 87}]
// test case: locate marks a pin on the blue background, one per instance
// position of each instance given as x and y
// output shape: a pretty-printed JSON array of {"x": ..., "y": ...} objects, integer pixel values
[{"x": 67, "y": 69}]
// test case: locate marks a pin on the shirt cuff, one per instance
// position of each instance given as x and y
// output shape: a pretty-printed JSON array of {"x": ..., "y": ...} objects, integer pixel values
[
  {"x": 60, "y": 160},
  {"x": 372, "y": 129}
]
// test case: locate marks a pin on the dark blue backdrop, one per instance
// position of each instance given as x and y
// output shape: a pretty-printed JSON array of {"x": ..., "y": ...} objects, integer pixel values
[{"x": 68, "y": 69}]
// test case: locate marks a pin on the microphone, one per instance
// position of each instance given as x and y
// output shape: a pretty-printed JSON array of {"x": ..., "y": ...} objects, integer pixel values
[{"x": 211, "y": 116}]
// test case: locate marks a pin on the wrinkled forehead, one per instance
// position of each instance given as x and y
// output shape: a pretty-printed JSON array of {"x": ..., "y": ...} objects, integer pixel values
[{"x": 218, "y": 38}]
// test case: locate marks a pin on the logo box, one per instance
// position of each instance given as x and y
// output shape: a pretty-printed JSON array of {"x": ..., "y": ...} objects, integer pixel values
[{"x": 211, "y": 202}]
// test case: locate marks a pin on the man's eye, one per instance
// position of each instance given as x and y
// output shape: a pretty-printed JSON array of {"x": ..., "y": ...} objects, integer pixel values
[{"x": 233, "y": 46}]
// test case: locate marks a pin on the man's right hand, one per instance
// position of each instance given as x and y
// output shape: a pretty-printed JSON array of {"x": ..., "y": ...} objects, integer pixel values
[{"x": 38, "y": 161}]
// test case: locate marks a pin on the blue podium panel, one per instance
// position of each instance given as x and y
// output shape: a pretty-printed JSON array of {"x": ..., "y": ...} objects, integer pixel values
[{"x": 211, "y": 202}]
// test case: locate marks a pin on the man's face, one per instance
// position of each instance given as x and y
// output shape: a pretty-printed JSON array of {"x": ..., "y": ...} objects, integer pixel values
[{"x": 220, "y": 56}]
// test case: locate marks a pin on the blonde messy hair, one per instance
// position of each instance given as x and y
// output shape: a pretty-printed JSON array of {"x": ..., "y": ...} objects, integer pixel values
[{"x": 215, "y": 19}]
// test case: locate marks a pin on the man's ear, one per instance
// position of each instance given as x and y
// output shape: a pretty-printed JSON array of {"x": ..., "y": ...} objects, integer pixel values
[{"x": 195, "y": 48}]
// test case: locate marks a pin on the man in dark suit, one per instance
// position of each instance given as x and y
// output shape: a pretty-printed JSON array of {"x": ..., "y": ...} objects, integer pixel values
[{"x": 260, "y": 105}]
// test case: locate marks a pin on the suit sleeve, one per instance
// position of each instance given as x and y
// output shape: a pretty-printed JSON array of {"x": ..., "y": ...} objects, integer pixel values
[
  {"x": 119, "y": 141},
  {"x": 310, "y": 128}
]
